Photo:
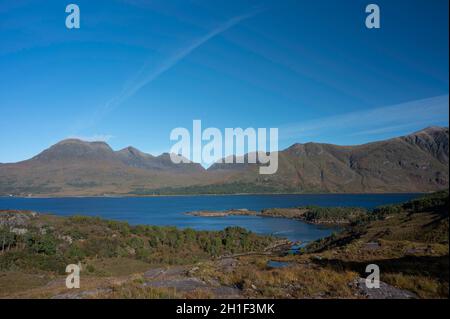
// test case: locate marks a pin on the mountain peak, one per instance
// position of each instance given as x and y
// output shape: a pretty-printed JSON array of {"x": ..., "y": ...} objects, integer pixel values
[
  {"x": 433, "y": 139},
  {"x": 75, "y": 149},
  {"x": 79, "y": 141},
  {"x": 432, "y": 130},
  {"x": 133, "y": 152}
]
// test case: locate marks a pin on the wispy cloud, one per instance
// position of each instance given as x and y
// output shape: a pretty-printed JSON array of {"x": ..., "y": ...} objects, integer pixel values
[
  {"x": 146, "y": 74},
  {"x": 409, "y": 115}
]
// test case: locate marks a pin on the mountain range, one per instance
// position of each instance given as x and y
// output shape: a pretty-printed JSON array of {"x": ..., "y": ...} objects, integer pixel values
[{"x": 418, "y": 162}]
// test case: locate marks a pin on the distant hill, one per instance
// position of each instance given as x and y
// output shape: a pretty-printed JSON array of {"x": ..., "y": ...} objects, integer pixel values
[{"x": 414, "y": 163}]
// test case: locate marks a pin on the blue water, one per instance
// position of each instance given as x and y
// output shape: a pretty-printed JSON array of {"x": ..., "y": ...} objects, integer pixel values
[
  {"x": 278, "y": 264},
  {"x": 169, "y": 210}
]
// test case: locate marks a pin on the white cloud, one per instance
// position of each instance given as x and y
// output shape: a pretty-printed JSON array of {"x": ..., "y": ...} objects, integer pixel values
[{"x": 409, "y": 115}]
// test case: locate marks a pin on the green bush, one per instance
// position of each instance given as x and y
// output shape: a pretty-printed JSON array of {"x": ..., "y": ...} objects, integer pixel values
[
  {"x": 333, "y": 214},
  {"x": 436, "y": 202},
  {"x": 96, "y": 238},
  {"x": 42, "y": 244},
  {"x": 383, "y": 211}
]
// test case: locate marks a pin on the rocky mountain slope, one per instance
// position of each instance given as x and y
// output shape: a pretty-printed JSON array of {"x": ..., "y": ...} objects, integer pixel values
[
  {"x": 414, "y": 163},
  {"x": 417, "y": 162}
]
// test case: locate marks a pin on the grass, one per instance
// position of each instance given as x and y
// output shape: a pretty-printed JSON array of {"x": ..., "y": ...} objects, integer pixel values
[
  {"x": 17, "y": 281},
  {"x": 135, "y": 290},
  {"x": 256, "y": 280},
  {"x": 119, "y": 266},
  {"x": 423, "y": 286}
]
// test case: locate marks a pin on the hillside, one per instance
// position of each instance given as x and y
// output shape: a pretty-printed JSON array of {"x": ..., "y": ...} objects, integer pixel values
[
  {"x": 414, "y": 163},
  {"x": 409, "y": 242},
  {"x": 75, "y": 167}
]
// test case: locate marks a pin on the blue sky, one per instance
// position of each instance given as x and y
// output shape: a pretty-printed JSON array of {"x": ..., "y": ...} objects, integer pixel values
[{"x": 137, "y": 69}]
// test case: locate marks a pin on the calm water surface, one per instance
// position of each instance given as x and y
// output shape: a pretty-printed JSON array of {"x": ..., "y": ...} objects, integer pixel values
[{"x": 169, "y": 210}]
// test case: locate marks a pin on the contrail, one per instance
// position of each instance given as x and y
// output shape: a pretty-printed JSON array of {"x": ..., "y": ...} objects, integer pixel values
[{"x": 139, "y": 80}]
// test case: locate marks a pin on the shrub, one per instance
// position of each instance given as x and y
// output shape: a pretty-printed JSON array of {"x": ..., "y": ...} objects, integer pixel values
[{"x": 42, "y": 244}]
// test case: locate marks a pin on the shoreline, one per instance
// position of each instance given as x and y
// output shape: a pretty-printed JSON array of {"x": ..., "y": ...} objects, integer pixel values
[{"x": 204, "y": 195}]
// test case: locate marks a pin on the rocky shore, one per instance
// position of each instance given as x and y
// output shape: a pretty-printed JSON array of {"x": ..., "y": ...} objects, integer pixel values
[{"x": 223, "y": 213}]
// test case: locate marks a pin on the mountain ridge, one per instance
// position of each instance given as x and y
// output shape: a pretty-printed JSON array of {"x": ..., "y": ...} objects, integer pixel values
[{"x": 417, "y": 162}]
